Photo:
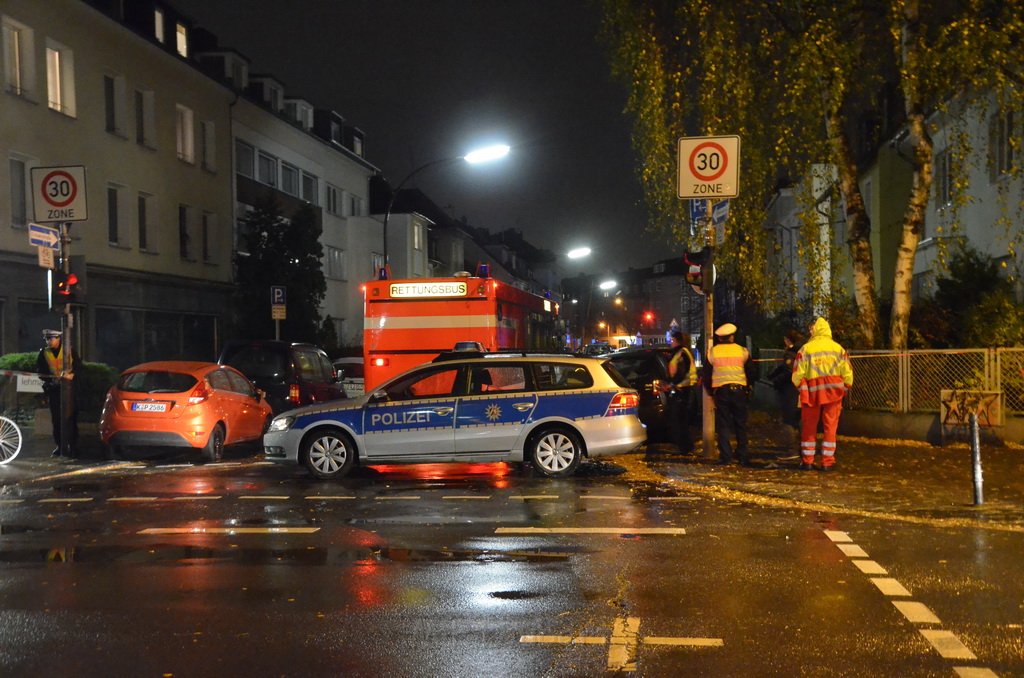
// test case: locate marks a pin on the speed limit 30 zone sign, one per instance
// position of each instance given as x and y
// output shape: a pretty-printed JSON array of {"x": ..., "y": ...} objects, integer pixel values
[
  {"x": 58, "y": 194},
  {"x": 709, "y": 167}
]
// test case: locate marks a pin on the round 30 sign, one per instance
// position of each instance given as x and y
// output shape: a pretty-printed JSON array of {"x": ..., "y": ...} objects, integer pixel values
[
  {"x": 58, "y": 194},
  {"x": 709, "y": 167}
]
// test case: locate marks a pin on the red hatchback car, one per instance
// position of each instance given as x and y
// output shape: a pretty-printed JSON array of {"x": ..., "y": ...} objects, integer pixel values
[{"x": 182, "y": 404}]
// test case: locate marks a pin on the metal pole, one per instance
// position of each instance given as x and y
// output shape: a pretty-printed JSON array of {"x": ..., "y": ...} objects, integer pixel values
[
  {"x": 67, "y": 325},
  {"x": 708, "y": 428},
  {"x": 979, "y": 498}
]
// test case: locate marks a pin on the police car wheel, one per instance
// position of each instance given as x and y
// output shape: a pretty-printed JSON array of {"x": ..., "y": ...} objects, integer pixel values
[
  {"x": 556, "y": 452},
  {"x": 328, "y": 453}
]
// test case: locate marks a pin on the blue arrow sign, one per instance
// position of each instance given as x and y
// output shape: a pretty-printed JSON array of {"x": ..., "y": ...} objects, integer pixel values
[
  {"x": 698, "y": 210},
  {"x": 44, "y": 236},
  {"x": 720, "y": 212}
]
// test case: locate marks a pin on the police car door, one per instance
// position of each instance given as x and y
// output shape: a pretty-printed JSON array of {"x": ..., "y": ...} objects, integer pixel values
[
  {"x": 491, "y": 416},
  {"x": 416, "y": 420}
]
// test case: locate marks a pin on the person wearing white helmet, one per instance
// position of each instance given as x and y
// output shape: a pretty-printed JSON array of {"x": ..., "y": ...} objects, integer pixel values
[
  {"x": 727, "y": 380},
  {"x": 63, "y": 415}
]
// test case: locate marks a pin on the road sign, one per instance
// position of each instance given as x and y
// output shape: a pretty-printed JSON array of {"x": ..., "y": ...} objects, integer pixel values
[
  {"x": 720, "y": 212},
  {"x": 709, "y": 167},
  {"x": 46, "y": 258},
  {"x": 278, "y": 294},
  {"x": 44, "y": 236},
  {"x": 58, "y": 193}
]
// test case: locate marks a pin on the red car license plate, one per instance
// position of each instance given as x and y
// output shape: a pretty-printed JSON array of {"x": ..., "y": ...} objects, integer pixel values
[{"x": 149, "y": 407}]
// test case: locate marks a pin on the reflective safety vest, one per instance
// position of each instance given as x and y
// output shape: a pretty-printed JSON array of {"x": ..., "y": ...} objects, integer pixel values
[
  {"x": 55, "y": 362},
  {"x": 691, "y": 377},
  {"x": 728, "y": 361}
]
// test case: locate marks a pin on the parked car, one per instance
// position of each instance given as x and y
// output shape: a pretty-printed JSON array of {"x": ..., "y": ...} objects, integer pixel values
[
  {"x": 291, "y": 374},
  {"x": 549, "y": 410},
  {"x": 350, "y": 375},
  {"x": 646, "y": 370},
  {"x": 181, "y": 404}
]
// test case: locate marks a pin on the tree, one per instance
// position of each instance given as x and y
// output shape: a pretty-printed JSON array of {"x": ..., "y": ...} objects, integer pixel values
[
  {"x": 279, "y": 251},
  {"x": 804, "y": 83}
]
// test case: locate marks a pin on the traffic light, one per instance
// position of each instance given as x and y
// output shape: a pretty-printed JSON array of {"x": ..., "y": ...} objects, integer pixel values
[
  {"x": 64, "y": 288},
  {"x": 648, "y": 317}
]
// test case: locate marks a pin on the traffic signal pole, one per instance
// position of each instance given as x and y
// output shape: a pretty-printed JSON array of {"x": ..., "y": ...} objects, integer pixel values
[
  {"x": 67, "y": 324},
  {"x": 708, "y": 283}
]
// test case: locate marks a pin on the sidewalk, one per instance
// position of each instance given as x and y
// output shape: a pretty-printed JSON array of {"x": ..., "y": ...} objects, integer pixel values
[
  {"x": 880, "y": 478},
  {"x": 892, "y": 479}
]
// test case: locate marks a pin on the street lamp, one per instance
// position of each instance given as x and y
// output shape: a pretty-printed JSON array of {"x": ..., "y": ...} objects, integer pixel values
[
  {"x": 474, "y": 157},
  {"x": 578, "y": 252}
]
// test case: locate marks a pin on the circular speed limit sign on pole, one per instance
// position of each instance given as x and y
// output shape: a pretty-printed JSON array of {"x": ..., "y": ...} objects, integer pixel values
[
  {"x": 709, "y": 167},
  {"x": 58, "y": 194}
]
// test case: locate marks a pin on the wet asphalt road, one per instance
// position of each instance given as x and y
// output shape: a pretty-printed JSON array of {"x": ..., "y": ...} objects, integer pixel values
[{"x": 645, "y": 565}]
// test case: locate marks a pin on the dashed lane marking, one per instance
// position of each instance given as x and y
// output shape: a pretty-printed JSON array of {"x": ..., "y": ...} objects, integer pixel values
[
  {"x": 606, "y": 497},
  {"x": 131, "y": 499},
  {"x": 947, "y": 644},
  {"x": 11, "y": 501},
  {"x": 541, "y": 497},
  {"x": 624, "y": 642},
  {"x": 890, "y": 586},
  {"x": 197, "y": 497},
  {"x": 466, "y": 497},
  {"x": 267, "y": 497},
  {"x": 869, "y": 567},
  {"x": 974, "y": 672},
  {"x": 65, "y": 500},
  {"x": 330, "y": 497},
  {"x": 406, "y": 497},
  {"x": 229, "y": 530},
  {"x": 852, "y": 550},
  {"x": 837, "y": 536},
  {"x": 916, "y": 612},
  {"x": 590, "y": 530}
]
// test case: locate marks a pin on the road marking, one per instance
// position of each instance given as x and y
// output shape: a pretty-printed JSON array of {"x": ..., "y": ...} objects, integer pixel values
[
  {"x": 608, "y": 497},
  {"x": 974, "y": 672},
  {"x": 590, "y": 530},
  {"x": 524, "y": 497},
  {"x": 889, "y": 586},
  {"x": 314, "y": 497},
  {"x": 852, "y": 551},
  {"x": 672, "y": 498},
  {"x": 468, "y": 497},
  {"x": 66, "y": 500},
  {"x": 197, "y": 497},
  {"x": 229, "y": 530},
  {"x": 837, "y": 536},
  {"x": 11, "y": 501},
  {"x": 270, "y": 497},
  {"x": 916, "y": 612},
  {"x": 946, "y": 644},
  {"x": 869, "y": 567},
  {"x": 399, "y": 498},
  {"x": 130, "y": 499},
  {"x": 624, "y": 642}
]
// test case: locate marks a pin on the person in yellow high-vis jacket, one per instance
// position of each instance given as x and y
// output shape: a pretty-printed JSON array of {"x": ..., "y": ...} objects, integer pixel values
[
  {"x": 822, "y": 374},
  {"x": 63, "y": 411},
  {"x": 682, "y": 371},
  {"x": 727, "y": 379}
]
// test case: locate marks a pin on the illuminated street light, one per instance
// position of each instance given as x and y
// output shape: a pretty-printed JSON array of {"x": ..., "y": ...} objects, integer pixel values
[
  {"x": 608, "y": 284},
  {"x": 474, "y": 157},
  {"x": 578, "y": 252}
]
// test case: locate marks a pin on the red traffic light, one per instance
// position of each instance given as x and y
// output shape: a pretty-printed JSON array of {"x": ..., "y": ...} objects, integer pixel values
[
  {"x": 648, "y": 316},
  {"x": 66, "y": 284}
]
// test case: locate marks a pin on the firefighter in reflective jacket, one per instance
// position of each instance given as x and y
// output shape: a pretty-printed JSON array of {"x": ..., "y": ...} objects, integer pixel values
[
  {"x": 727, "y": 379},
  {"x": 822, "y": 374}
]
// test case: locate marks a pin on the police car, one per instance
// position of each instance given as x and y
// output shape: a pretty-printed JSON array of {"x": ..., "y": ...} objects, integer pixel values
[{"x": 549, "y": 410}]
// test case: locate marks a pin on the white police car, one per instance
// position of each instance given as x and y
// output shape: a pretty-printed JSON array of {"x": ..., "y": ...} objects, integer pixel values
[{"x": 550, "y": 410}]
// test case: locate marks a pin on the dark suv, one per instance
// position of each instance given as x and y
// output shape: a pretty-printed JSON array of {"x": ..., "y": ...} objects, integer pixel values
[
  {"x": 291, "y": 374},
  {"x": 646, "y": 370}
]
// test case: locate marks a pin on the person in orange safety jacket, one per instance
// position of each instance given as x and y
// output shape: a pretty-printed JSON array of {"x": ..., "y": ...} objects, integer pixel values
[{"x": 822, "y": 374}]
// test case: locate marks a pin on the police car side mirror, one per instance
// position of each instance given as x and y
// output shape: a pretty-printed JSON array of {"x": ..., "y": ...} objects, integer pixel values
[{"x": 378, "y": 396}]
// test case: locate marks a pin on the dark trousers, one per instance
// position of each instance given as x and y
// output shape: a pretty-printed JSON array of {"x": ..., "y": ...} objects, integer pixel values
[
  {"x": 70, "y": 420},
  {"x": 731, "y": 419},
  {"x": 679, "y": 402}
]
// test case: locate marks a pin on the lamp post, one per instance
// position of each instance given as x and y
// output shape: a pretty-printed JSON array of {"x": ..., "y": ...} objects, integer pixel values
[{"x": 475, "y": 157}]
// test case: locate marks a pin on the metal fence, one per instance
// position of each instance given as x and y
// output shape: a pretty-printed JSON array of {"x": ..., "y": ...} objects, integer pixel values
[{"x": 910, "y": 381}]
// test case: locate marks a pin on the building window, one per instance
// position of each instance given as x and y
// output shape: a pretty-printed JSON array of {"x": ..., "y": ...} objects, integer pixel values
[
  {"x": 113, "y": 215},
  {"x": 353, "y": 205},
  {"x": 267, "y": 169},
  {"x": 181, "y": 37},
  {"x": 417, "y": 236},
  {"x": 208, "y": 135},
  {"x": 158, "y": 25},
  {"x": 19, "y": 193},
  {"x": 143, "y": 219},
  {"x": 332, "y": 199},
  {"x": 289, "y": 179},
  {"x": 944, "y": 178},
  {"x": 19, "y": 68},
  {"x": 245, "y": 158},
  {"x": 145, "y": 119},
  {"x": 335, "y": 267},
  {"x": 185, "y": 135},
  {"x": 114, "y": 101},
  {"x": 274, "y": 99},
  {"x": 60, "y": 78},
  {"x": 310, "y": 188},
  {"x": 184, "y": 250},
  {"x": 1001, "y": 144},
  {"x": 208, "y": 224}
]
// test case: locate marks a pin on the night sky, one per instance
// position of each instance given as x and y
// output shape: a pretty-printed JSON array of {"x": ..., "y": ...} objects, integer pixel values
[{"x": 426, "y": 80}]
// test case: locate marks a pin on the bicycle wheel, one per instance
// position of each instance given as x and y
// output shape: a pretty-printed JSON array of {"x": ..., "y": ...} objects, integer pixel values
[{"x": 10, "y": 440}]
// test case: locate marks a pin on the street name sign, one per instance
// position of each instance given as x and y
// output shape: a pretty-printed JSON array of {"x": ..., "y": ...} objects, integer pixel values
[
  {"x": 709, "y": 167},
  {"x": 44, "y": 236},
  {"x": 58, "y": 193}
]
